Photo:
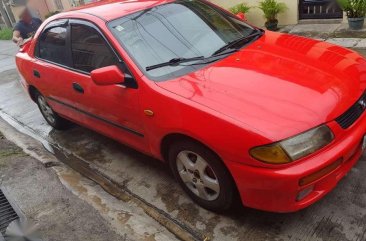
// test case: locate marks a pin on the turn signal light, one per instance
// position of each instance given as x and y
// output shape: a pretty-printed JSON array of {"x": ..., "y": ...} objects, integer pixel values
[
  {"x": 273, "y": 154},
  {"x": 319, "y": 174}
]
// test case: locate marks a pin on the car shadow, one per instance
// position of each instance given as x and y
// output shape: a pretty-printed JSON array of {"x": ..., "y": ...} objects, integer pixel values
[{"x": 152, "y": 180}]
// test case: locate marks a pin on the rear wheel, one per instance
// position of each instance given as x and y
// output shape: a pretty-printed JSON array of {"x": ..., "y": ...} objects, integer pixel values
[
  {"x": 52, "y": 118},
  {"x": 202, "y": 175}
]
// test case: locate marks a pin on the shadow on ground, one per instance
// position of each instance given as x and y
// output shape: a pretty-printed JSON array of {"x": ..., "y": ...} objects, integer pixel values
[{"x": 340, "y": 216}]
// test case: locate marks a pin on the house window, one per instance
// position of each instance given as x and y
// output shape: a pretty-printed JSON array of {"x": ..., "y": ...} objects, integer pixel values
[{"x": 59, "y": 5}]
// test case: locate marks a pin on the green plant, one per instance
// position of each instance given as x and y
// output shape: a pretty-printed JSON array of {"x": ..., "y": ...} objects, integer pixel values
[
  {"x": 271, "y": 8},
  {"x": 6, "y": 34},
  {"x": 240, "y": 8},
  {"x": 353, "y": 8}
]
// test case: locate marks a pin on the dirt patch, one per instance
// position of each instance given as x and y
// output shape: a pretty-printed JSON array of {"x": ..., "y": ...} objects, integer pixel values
[
  {"x": 99, "y": 203},
  {"x": 150, "y": 238},
  {"x": 70, "y": 139},
  {"x": 74, "y": 182},
  {"x": 168, "y": 196},
  {"x": 346, "y": 33},
  {"x": 329, "y": 229},
  {"x": 8, "y": 150},
  {"x": 123, "y": 217}
]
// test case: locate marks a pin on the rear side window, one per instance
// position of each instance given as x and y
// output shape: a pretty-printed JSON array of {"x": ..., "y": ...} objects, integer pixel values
[
  {"x": 89, "y": 49},
  {"x": 52, "y": 45}
]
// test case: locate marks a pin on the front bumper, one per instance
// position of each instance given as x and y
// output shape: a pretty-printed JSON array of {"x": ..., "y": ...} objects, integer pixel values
[{"x": 277, "y": 190}]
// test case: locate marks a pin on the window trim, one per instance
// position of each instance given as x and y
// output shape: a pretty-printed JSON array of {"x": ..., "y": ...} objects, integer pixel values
[
  {"x": 108, "y": 45},
  {"x": 55, "y": 24},
  {"x": 89, "y": 24},
  {"x": 61, "y": 22}
]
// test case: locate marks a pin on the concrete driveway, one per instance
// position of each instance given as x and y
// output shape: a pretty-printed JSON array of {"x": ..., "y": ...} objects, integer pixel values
[{"x": 341, "y": 215}]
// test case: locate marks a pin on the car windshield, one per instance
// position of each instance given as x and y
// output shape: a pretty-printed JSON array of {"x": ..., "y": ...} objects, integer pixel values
[{"x": 180, "y": 30}]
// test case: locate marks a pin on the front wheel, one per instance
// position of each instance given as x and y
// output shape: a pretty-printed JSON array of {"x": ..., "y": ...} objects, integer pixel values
[
  {"x": 202, "y": 175},
  {"x": 52, "y": 118}
]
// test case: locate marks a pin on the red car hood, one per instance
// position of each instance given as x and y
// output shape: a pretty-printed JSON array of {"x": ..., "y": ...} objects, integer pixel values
[{"x": 280, "y": 85}]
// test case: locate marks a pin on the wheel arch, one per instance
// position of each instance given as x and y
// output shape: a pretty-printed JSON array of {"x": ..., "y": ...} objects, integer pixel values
[
  {"x": 173, "y": 137},
  {"x": 32, "y": 92}
]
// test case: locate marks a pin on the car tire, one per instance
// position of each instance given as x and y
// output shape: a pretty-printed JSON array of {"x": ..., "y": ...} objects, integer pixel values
[
  {"x": 52, "y": 118},
  {"x": 202, "y": 175}
]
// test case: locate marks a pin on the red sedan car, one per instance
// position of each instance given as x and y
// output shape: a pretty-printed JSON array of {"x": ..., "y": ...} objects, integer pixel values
[{"x": 275, "y": 118}]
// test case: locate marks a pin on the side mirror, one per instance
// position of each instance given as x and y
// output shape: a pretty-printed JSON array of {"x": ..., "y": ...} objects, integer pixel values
[
  {"x": 241, "y": 16},
  {"x": 110, "y": 75}
]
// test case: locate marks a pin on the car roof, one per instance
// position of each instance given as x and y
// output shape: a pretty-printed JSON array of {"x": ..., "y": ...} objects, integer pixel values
[{"x": 112, "y": 9}]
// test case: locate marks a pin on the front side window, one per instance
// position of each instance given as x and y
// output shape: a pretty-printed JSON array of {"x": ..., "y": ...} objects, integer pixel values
[
  {"x": 181, "y": 29},
  {"x": 52, "y": 45},
  {"x": 89, "y": 50}
]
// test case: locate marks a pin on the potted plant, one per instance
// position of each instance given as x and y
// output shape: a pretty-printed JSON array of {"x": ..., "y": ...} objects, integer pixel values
[
  {"x": 271, "y": 8},
  {"x": 355, "y": 11},
  {"x": 240, "y": 10}
]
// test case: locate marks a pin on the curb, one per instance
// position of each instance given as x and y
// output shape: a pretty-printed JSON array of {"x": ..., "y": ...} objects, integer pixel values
[{"x": 356, "y": 43}]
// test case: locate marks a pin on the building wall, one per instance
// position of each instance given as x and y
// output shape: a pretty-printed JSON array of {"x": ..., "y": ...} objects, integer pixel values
[
  {"x": 43, "y": 7},
  {"x": 255, "y": 15}
]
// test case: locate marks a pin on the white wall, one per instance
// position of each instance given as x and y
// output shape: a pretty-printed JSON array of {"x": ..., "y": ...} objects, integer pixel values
[{"x": 255, "y": 15}]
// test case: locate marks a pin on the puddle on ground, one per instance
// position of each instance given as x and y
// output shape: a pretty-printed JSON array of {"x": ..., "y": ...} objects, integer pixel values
[
  {"x": 132, "y": 176},
  {"x": 120, "y": 192}
]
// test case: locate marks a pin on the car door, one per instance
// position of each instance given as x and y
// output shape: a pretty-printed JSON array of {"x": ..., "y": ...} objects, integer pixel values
[
  {"x": 113, "y": 110},
  {"x": 52, "y": 62}
]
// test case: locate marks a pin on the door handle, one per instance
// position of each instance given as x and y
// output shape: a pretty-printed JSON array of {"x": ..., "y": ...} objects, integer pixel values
[
  {"x": 36, "y": 74},
  {"x": 77, "y": 87}
]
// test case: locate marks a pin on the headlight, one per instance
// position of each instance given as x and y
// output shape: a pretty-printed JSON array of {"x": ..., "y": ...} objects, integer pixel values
[{"x": 295, "y": 147}]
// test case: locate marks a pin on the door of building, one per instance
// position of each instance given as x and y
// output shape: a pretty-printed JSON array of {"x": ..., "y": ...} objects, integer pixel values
[{"x": 319, "y": 9}]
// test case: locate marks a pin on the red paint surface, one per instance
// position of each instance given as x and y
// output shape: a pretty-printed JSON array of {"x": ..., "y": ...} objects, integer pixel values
[{"x": 275, "y": 88}]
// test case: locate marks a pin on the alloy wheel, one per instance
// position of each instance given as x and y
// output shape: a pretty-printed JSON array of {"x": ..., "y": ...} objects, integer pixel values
[
  {"x": 198, "y": 175},
  {"x": 46, "y": 109}
]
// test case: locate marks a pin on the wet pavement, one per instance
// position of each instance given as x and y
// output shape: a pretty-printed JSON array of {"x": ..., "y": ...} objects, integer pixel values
[
  {"x": 63, "y": 205},
  {"x": 40, "y": 197},
  {"x": 324, "y": 30},
  {"x": 341, "y": 215}
]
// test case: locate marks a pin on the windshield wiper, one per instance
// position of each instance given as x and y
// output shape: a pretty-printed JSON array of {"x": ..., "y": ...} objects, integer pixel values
[
  {"x": 174, "y": 62},
  {"x": 235, "y": 42}
]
